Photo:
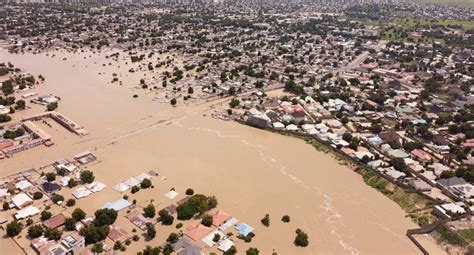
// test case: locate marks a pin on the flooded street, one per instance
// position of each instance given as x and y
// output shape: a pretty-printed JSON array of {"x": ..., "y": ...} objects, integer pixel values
[{"x": 251, "y": 172}]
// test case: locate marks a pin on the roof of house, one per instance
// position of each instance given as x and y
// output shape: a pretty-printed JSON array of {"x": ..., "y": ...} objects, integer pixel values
[
  {"x": 22, "y": 185},
  {"x": 117, "y": 233},
  {"x": 184, "y": 246},
  {"x": 244, "y": 229},
  {"x": 21, "y": 200},
  {"x": 197, "y": 232},
  {"x": 55, "y": 221},
  {"x": 117, "y": 205},
  {"x": 421, "y": 154},
  {"x": 219, "y": 217},
  {"x": 50, "y": 187},
  {"x": 389, "y": 136},
  {"x": 225, "y": 244},
  {"x": 27, "y": 212},
  {"x": 452, "y": 181},
  {"x": 121, "y": 187}
]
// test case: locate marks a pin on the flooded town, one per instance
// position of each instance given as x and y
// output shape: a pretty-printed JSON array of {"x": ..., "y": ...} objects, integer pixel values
[{"x": 267, "y": 127}]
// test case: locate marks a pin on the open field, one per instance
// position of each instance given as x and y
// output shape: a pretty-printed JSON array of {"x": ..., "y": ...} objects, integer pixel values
[{"x": 461, "y": 3}]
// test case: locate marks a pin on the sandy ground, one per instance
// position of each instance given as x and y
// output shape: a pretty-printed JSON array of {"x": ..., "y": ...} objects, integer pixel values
[{"x": 250, "y": 171}]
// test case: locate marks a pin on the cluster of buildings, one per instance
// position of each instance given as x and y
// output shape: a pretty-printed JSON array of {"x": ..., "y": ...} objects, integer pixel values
[{"x": 32, "y": 135}]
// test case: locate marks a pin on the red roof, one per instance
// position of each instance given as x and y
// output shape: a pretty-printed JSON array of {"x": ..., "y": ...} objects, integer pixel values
[
  {"x": 197, "y": 232},
  {"x": 5, "y": 143},
  {"x": 292, "y": 108},
  {"x": 421, "y": 154},
  {"x": 468, "y": 144},
  {"x": 218, "y": 217},
  {"x": 117, "y": 233},
  {"x": 55, "y": 221}
]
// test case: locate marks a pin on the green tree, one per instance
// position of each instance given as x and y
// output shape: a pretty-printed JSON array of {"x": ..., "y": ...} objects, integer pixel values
[
  {"x": 6, "y": 206},
  {"x": 146, "y": 183},
  {"x": 173, "y": 238},
  {"x": 56, "y": 198},
  {"x": 14, "y": 228},
  {"x": 165, "y": 217},
  {"x": 45, "y": 215},
  {"x": 252, "y": 251},
  {"x": 61, "y": 171},
  {"x": 173, "y": 101},
  {"x": 50, "y": 177},
  {"x": 69, "y": 224},
  {"x": 93, "y": 234},
  {"x": 20, "y": 105},
  {"x": 87, "y": 176},
  {"x": 53, "y": 234},
  {"x": 78, "y": 214},
  {"x": 72, "y": 183},
  {"x": 285, "y": 218},
  {"x": 35, "y": 231},
  {"x": 104, "y": 217},
  {"x": 37, "y": 195},
  {"x": 301, "y": 238},
  {"x": 71, "y": 202},
  {"x": 149, "y": 211},
  {"x": 150, "y": 231},
  {"x": 399, "y": 164},
  {"x": 98, "y": 248},
  {"x": 234, "y": 102},
  {"x": 231, "y": 251},
  {"x": 206, "y": 220},
  {"x": 52, "y": 106},
  {"x": 168, "y": 249},
  {"x": 117, "y": 245},
  {"x": 189, "y": 192},
  {"x": 151, "y": 250}
]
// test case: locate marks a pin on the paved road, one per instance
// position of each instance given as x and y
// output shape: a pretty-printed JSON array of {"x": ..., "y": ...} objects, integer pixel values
[{"x": 360, "y": 59}]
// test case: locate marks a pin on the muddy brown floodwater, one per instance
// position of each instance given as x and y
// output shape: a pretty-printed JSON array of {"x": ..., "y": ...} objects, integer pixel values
[{"x": 250, "y": 171}]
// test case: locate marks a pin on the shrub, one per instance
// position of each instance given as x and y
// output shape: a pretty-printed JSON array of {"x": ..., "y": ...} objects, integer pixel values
[
  {"x": 285, "y": 218},
  {"x": 135, "y": 189},
  {"x": 252, "y": 251},
  {"x": 72, "y": 183},
  {"x": 71, "y": 202},
  {"x": 266, "y": 220},
  {"x": 189, "y": 192},
  {"x": 146, "y": 183}
]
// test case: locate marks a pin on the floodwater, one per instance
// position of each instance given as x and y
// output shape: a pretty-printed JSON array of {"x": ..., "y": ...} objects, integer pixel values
[{"x": 250, "y": 171}]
